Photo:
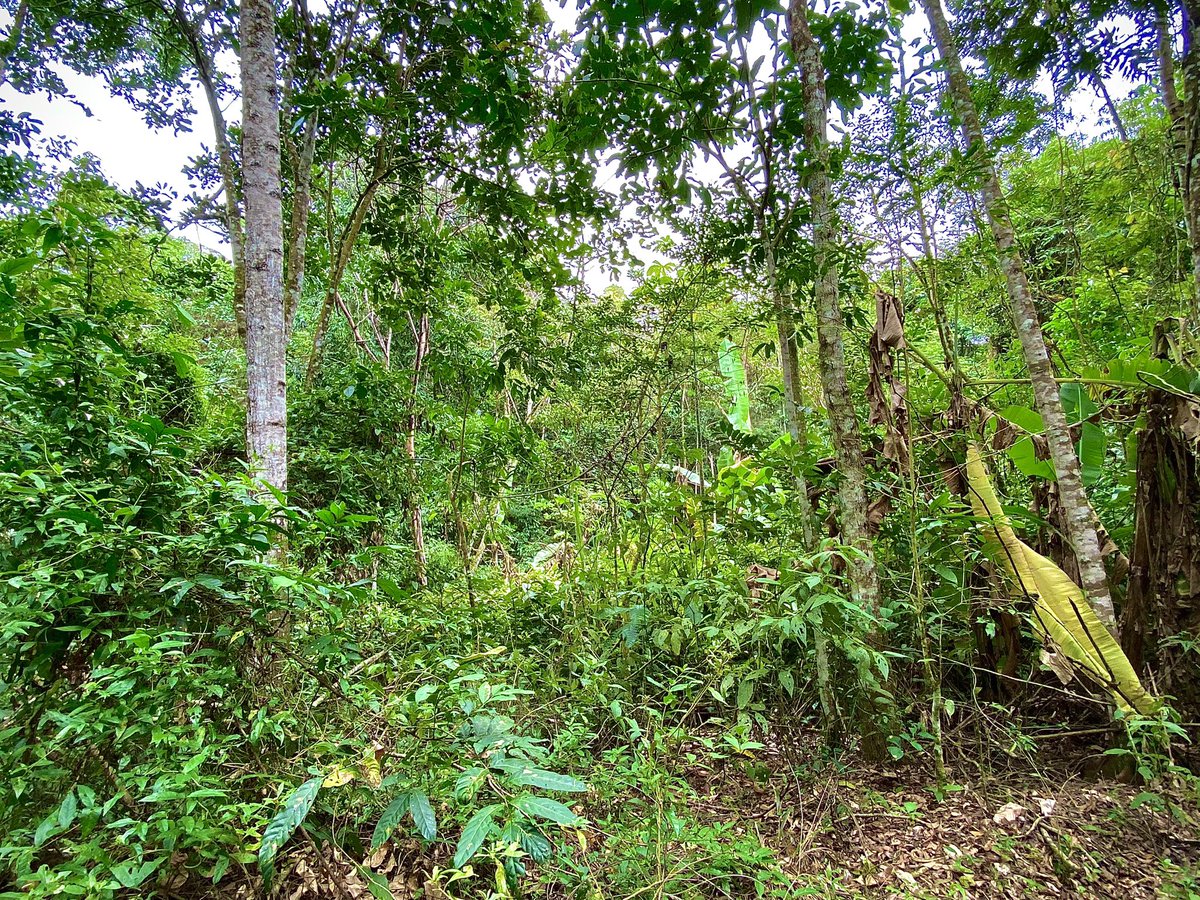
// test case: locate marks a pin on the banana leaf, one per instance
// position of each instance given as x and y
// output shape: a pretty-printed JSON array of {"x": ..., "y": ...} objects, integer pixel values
[
  {"x": 730, "y": 360},
  {"x": 1062, "y": 616}
]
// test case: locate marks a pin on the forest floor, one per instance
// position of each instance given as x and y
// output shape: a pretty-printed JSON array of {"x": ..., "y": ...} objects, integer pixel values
[
  {"x": 887, "y": 831},
  {"x": 832, "y": 831}
]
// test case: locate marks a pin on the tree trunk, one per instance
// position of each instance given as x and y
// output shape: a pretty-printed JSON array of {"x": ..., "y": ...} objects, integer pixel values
[
  {"x": 1077, "y": 512},
  {"x": 9, "y": 47},
  {"x": 302, "y": 164},
  {"x": 843, "y": 418},
  {"x": 266, "y": 369},
  {"x": 231, "y": 186},
  {"x": 340, "y": 255},
  {"x": 1184, "y": 117},
  {"x": 420, "y": 330}
]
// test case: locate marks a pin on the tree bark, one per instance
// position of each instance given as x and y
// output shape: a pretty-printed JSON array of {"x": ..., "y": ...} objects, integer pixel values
[
  {"x": 843, "y": 418},
  {"x": 266, "y": 346},
  {"x": 1183, "y": 115},
  {"x": 1077, "y": 511},
  {"x": 227, "y": 165},
  {"x": 13, "y": 40},
  {"x": 340, "y": 255},
  {"x": 412, "y": 499}
]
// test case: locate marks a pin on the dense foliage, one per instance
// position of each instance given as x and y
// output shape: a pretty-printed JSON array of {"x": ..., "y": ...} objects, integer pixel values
[{"x": 551, "y": 557}]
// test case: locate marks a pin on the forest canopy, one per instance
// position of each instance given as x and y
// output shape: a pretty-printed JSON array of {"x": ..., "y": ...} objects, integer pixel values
[{"x": 701, "y": 450}]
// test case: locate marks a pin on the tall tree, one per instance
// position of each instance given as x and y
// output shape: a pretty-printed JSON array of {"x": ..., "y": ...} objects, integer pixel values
[
  {"x": 266, "y": 341},
  {"x": 1077, "y": 512},
  {"x": 843, "y": 418}
]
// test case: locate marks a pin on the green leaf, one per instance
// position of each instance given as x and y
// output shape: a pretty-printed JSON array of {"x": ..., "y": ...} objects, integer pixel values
[
  {"x": 730, "y": 360},
  {"x": 474, "y": 834},
  {"x": 1077, "y": 403},
  {"x": 1091, "y": 452},
  {"x": 285, "y": 823},
  {"x": 1024, "y": 457},
  {"x": 551, "y": 781},
  {"x": 66, "y": 812},
  {"x": 541, "y": 778},
  {"x": 376, "y": 884},
  {"x": 1025, "y": 419},
  {"x": 389, "y": 820},
  {"x": 745, "y": 693},
  {"x": 131, "y": 876},
  {"x": 423, "y": 816},
  {"x": 545, "y": 808},
  {"x": 533, "y": 843}
]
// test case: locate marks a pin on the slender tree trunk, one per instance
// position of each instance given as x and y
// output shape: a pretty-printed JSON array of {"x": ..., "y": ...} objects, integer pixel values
[
  {"x": 843, "y": 418},
  {"x": 13, "y": 40},
  {"x": 1110, "y": 106},
  {"x": 420, "y": 330},
  {"x": 1184, "y": 117},
  {"x": 341, "y": 255},
  {"x": 230, "y": 183},
  {"x": 1077, "y": 512},
  {"x": 297, "y": 256},
  {"x": 266, "y": 370}
]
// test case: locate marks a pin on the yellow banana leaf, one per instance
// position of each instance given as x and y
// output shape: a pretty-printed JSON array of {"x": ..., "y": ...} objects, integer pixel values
[{"x": 1062, "y": 616}]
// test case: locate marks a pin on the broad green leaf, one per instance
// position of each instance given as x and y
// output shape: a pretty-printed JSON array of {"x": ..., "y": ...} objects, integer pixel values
[
  {"x": 745, "y": 693},
  {"x": 376, "y": 884},
  {"x": 549, "y": 781},
  {"x": 285, "y": 823},
  {"x": 1077, "y": 403},
  {"x": 423, "y": 816},
  {"x": 389, "y": 820},
  {"x": 130, "y": 876},
  {"x": 474, "y": 834},
  {"x": 1024, "y": 457},
  {"x": 734, "y": 372},
  {"x": 545, "y": 808},
  {"x": 533, "y": 843},
  {"x": 1091, "y": 452},
  {"x": 1024, "y": 418}
]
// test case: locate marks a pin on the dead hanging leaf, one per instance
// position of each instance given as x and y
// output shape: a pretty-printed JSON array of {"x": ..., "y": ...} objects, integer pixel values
[
  {"x": 885, "y": 393},
  {"x": 1058, "y": 664},
  {"x": 1005, "y": 436},
  {"x": 1062, "y": 615},
  {"x": 757, "y": 576},
  {"x": 877, "y": 511},
  {"x": 889, "y": 325}
]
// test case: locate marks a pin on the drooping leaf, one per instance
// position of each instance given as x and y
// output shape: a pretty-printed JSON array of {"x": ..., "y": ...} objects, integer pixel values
[
  {"x": 1024, "y": 418},
  {"x": 285, "y": 823},
  {"x": 474, "y": 834},
  {"x": 545, "y": 808},
  {"x": 734, "y": 372},
  {"x": 1092, "y": 443},
  {"x": 389, "y": 820},
  {"x": 533, "y": 843},
  {"x": 523, "y": 773},
  {"x": 423, "y": 815},
  {"x": 1062, "y": 616}
]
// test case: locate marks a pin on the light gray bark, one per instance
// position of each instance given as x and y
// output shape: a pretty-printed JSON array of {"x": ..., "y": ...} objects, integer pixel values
[
  {"x": 843, "y": 418},
  {"x": 1184, "y": 117},
  {"x": 266, "y": 343},
  {"x": 1077, "y": 512}
]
